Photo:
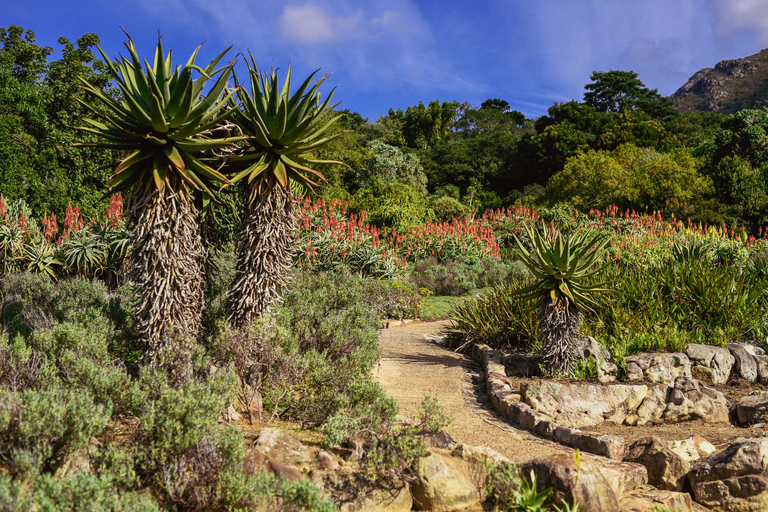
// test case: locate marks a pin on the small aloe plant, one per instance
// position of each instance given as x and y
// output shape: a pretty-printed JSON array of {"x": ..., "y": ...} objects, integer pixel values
[{"x": 565, "y": 268}]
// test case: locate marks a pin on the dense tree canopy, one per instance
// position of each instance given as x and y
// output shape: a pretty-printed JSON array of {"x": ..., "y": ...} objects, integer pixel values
[{"x": 623, "y": 144}]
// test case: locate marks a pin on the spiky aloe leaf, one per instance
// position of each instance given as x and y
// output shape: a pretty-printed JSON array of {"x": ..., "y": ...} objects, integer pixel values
[
  {"x": 161, "y": 119},
  {"x": 284, "y": 129}
]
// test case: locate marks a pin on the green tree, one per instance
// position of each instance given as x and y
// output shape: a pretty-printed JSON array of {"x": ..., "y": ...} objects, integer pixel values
[
  {"x": 37, "y": 161},
  {"x": 390, "y": 164},
  {"x": 426, "y": 126},
  {"x": 617, "y": 91},
  {"x": 629, "y": 177}
]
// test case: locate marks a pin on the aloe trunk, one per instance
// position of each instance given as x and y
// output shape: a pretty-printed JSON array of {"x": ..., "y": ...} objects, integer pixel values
[
  {"x": 559, "y": 323},
  {"x": 265, "y": 255},
  {"x": 166, "y": 268}
]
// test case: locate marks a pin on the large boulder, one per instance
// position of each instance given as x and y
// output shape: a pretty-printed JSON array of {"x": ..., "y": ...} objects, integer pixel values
[
  {"x": 587, "y": 347},
  {"x": 444, "y": 483},
  {"x": 752, "y": 409},
  {"x": 582, "y": 405},
  {"x": 745, "y": 364},
  {"x": 709, "y": 363},
  {"x": 650, "y": 499},
  {"x": 666, "y": 469},
  {"x": 689, "y": 400},
  {"x": 653, "y": 406},
  {"x": 733, "y": 479},
  {"x": 597, "y": 484},
  {"x": 661, "y": 368}
]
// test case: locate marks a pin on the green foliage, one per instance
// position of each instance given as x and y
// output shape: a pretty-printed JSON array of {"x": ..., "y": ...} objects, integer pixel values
[
  {"x": 394, "y": 452},
  {"x": 392, "y": 205},
  {"x": 161, "y": 120},
  {"x": 447, "y": 208},
  {"x": 563, "y": 266},
  {"x": 497, "y": 319},
  {"x": 628, "y": 177},
  {"x": 38, "y": 429},
  {"x": 458, "y": 277},
  {"x": 508, "y": 490},
  {"x": 617, "y": 91},
  {"x": 283, "y": 130},
  {"x": 390, "y": 164}
]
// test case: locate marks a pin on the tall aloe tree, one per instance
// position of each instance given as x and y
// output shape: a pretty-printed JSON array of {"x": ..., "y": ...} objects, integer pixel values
[
  {"x": 162, "y": 122},
  {"x": 564, "y": 269},
  {"x": 283, "y": 129}
]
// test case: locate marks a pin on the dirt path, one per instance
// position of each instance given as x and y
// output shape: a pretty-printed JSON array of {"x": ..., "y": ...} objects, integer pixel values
[{"x": 414, "y": 365}]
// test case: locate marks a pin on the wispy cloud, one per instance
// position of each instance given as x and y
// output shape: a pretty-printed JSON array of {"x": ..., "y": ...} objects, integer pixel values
[{"x": 734, "y": 16}]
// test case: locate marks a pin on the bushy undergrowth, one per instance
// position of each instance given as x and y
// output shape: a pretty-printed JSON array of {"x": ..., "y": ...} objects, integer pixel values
[
  {"x": 670, "y": 284},
  {"x": 65, "y": 385}
]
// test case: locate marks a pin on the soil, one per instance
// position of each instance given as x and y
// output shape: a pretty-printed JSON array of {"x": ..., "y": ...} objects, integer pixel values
[{"x": 415, "y": 364}]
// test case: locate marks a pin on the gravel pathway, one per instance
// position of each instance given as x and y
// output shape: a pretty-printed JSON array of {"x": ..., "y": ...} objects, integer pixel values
[{"x": 414, "y": 364}]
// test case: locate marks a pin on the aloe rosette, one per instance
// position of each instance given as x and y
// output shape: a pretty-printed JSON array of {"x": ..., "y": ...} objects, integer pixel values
[{"x": 564, "y": 269}]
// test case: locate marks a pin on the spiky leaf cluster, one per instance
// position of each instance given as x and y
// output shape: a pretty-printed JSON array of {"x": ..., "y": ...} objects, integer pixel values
[
  {"x": 161, "y": 120},
  {"x": 563, "y": 266},
  {"x": 283, "y": 128}
]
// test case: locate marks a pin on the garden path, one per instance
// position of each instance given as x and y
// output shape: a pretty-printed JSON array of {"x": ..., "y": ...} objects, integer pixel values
[{"x": 414, "y": 364}]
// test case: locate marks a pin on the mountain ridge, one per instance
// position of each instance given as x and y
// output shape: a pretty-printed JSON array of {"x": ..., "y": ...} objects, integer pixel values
[{"x": 730, "y": 86}]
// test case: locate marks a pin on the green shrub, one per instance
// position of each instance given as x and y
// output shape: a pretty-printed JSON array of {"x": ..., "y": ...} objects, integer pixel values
[
  {"x": 38, "y": 429},
  {"x": 458, "y": 277},
  {"x": 25, "y": 303},
  {"x": 496, "y": 319},
  {"x": 394, "y": 452},
  {"x": 392, "y": 298}
]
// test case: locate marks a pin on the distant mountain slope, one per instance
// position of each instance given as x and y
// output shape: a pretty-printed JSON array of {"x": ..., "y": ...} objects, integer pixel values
[{"x": 730, "y": 86}]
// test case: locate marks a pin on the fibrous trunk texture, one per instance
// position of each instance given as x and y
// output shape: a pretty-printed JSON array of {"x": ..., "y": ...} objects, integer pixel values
[
  {"x": 559, "y": 324},
  {"x": 166, "y": 270},
  {"x": 264, "y": 256}
]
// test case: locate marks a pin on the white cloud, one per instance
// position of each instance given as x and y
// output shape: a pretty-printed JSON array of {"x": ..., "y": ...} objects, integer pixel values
[
  {"x": 734, "y": 16},
  {"x": 311, "y": 24}
]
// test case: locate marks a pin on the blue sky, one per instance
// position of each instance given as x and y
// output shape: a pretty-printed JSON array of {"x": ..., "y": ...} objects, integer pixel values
[{"x": 395, "y": 53}]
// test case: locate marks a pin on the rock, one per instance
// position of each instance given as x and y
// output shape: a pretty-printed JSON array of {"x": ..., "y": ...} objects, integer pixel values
[
  {"x": 532, "y": 420},
  {"x": 710, "y": 363},
  {"x": 745, "y": 365},
  {"x": 659, "y": 368},
  {"x": 652, "y": 408},
  {"x": 478, "y": 454},
  {"x": 666, "y": 469},
  {"x": 283, "y": 470},
  {"x": 605, "y": 445},
  {"x": 762, "y": 368},
  {"x": 733, "y": 479},
  {"x": 586, "y": 346},
  {"x": 444, "y": 483},
  {"x": 597, "y": 485},
  {"x": 396, "y": 499},
  {"x": 78, "y": 461},
  {"x": 693, "y": 448},
  {"x": 327, "y": 461},
  {"x": 522, "y": 365},
  {"x": 230, "y": 415},
  {"x": 442, "y": 440},
  {"x": 752, "y": 409},
  {"x": 688, "y": 400},
  {"x": 650, "y": 499},
  {"x": 285, "y": 448},
  {"x": 582, "y": 405}
]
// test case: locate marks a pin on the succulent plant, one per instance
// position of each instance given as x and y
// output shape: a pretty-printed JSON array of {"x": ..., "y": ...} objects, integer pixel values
[{"x": 564, "y": 271}]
